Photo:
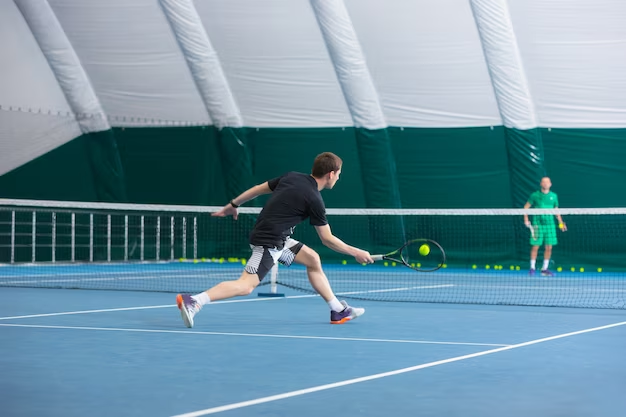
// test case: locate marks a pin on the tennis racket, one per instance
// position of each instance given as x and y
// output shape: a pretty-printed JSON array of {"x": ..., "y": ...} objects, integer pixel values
[
  {"x": 532, "y": 230},
  {"x": 422, "y": 255}
]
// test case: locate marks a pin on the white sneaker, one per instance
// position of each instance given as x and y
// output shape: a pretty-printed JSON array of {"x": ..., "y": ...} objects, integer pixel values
[
  {"x": 188, "y": 308},
  {"x": 349, "y": 313}
]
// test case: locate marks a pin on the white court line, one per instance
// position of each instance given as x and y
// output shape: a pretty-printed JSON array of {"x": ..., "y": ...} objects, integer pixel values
[
  {"x": 135, "y": 277},
  {"x": 291, "y": 394},
  {"x": 424, "y": 287},
  {"x": 245, "y": 300},
  {"x": 105, "y": 310},
  {"x": 278, "y": 336}
]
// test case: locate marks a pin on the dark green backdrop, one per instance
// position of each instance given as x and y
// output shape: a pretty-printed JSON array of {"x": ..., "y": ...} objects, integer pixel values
[{"x": 395, "y": 167}]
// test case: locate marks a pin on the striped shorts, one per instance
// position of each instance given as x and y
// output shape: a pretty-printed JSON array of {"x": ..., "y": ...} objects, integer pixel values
[{"x": 263, "y": 259}]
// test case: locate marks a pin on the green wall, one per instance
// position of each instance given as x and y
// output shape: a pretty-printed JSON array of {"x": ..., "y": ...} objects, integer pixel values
[{"x": 430, "y": 168}]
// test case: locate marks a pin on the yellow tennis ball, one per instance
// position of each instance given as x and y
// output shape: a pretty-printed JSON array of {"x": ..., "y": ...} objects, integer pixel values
[
  {"x": 386, "y": 263},
  {"x": 195, "y": 261},
  {"x": 573, "y": 269},
  {"x": 344, "y": 262},
  {"x": 559, "y": 269},
  {"x": 517, "y": 268},
  {"x": 444, "y": 265},
  {"x": 474, "y": 266},
  {"x": 582, "y": 269},
  {"x": 487, "y": 267},
  {"x": 393, "y": 264},
  {"x": 599, "y": 269},
  {"x": 424, "y": 250},
  {"x": 511, "y": 267}
]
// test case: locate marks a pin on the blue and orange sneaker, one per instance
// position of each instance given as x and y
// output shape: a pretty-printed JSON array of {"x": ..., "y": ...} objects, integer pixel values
[
  {"x": 188, "y": 308},
  {"x": 532, "y": 272},
  {"x": 348, "y": 313}
]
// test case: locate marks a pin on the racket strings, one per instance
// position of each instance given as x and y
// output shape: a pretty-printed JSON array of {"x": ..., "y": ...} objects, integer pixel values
[{"x": 422, "y": 255}]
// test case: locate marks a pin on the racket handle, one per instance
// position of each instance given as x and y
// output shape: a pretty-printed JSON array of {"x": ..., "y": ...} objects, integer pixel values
[{"x": 377, "y": 257}]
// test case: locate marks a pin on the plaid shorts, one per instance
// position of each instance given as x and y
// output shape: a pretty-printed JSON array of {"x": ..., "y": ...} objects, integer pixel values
[{"x": 263, "y": 258}]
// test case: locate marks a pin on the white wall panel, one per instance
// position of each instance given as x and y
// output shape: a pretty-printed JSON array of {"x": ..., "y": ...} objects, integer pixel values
[
  {"x": 276, "y": 63},
  {"x": 574, "y": 53},
  {"x": 133, "y": 61},
  {"x": 427, "y": 62},
  {"x": 34, "y": 115}
]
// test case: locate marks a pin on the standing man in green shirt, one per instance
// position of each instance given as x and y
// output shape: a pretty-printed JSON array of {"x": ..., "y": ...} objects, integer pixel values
[{"x": 543, "y": 229}]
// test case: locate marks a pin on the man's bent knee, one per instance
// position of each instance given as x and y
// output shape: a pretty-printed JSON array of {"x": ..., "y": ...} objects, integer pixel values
[
  {"x": 309, "y": 258},
  {"x": 247, "y": 283}
]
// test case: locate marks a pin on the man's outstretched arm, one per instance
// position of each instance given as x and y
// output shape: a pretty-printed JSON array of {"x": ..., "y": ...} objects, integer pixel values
[{"x": 249, "y": 194}]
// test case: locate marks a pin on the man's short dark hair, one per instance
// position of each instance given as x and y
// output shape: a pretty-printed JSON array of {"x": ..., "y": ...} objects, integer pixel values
[{"x": 324, "y": 163}]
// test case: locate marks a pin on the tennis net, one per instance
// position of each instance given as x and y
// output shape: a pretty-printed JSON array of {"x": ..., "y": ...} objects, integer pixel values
[{"x": 54, "y": 244}]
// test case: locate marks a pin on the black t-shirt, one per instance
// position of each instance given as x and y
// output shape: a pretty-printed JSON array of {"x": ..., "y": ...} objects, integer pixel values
[{"x": 294, "y": 198}]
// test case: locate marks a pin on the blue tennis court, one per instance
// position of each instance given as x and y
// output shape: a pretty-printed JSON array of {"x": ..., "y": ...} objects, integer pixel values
[{"x": 102, "y": 353}]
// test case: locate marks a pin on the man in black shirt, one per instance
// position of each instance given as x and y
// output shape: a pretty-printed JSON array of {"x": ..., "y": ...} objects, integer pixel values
[{"x": 295, "y": 197}]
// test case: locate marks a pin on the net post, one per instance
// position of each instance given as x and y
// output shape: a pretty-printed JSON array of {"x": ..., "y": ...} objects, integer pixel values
[
  {"x": 34, "y": 238},
  {"x": 54, "y": 236},
  {"x": 142, "y": 238},
  {"x": 73, "y": 237},
  {"x": 273, "y": 284},
  {"x": 91, "y": 237},
  {"x": 195, "y": 238},
  {"x": 184, "y": 238},
  {"x": 126, "y": 237},
  {"x": 108, "y": 238},
  {"x": 158, "y": 237},
  {"x": 13, "y": 236},
  {"x": 172, "y": 238}
]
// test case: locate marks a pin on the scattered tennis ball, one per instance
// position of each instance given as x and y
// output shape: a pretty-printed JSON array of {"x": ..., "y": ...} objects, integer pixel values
[
  {"x": 599, "y": 269},
  {"x": 419, "y": 265},
  {"x": 344, "y": 262},
  {"x": 474, "y": 266},
  {"x": 181, "y": 260},
  {"x": 243, "y": 261},
  {"x": 195, "y": 261},
  {"x": 444, "y": 265},
  {"x": 393, "y": 264},
  {"x": 559, "y": 269},
  {"x": 517, "y": 268},
  {"x": 203, "y": 259},
  {"x": 386, "y": 264},
  {"x": 573, "y": 269},
  {"x": 412, "y": 265},
  {"x": 582, "y": 269},
  {"x": 424, "y": 250},
  {"x": 512, "y": 268},
  {"x": 487, "y": 267}
]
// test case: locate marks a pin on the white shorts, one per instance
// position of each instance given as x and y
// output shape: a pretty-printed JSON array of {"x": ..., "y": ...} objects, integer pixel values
[{"x": 263, "y": 259}]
